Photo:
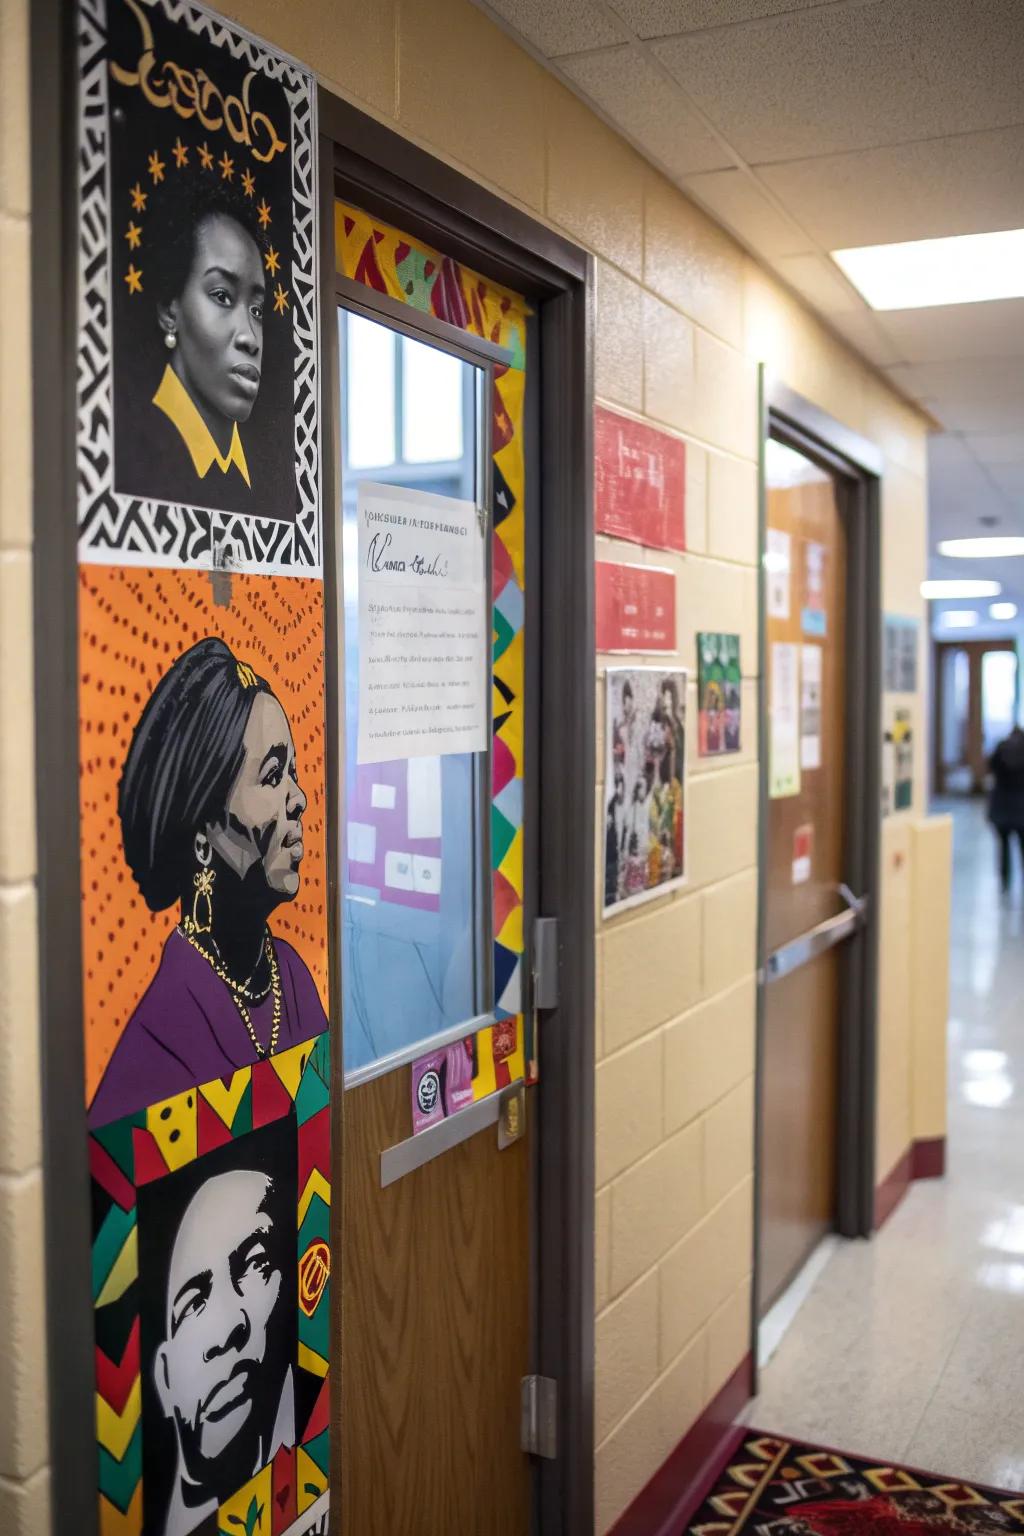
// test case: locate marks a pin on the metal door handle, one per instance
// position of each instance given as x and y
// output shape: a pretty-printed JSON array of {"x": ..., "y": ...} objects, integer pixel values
[{"x": 789, "y": 957}]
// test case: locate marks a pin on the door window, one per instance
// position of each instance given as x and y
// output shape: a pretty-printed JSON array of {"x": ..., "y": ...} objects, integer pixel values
[{"x": 415, "y": 925}]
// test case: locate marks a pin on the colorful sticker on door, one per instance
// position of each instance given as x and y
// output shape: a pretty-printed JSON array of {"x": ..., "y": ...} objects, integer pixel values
[
  {"x": 382, "y": 258},
  {"x": 201, "y": 773},
  {"x": 784, "y": 721},
  {"x": 645, "y": 784},
  {"x": 803, "y": 853},
  {"x": 719, "y": 693},
  {"x": 639, "y": 482},
  {"x": 898, "y": 763},
  {"x": 813, "y": 619},
  {"x": 197, "y": 364}
]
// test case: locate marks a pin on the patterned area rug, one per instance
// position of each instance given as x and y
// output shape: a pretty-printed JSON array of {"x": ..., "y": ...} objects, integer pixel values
[{"x": 774, "y": 1487}]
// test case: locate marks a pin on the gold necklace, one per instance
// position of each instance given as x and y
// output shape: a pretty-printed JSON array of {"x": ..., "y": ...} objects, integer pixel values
[{"x": 238, "y": 992}]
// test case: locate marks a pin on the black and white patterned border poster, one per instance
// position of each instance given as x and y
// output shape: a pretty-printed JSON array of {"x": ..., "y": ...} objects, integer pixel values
[{"x": 198, "y": 388}]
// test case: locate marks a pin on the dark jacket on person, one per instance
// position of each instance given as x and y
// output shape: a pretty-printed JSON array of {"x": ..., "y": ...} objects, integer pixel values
[{"x": 1006, "y": 765}]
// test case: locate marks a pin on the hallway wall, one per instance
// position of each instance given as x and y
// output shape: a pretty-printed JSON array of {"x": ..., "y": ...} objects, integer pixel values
[
  {"x": 24, "y": 1482},
  {"x": 683, "y": 318}
]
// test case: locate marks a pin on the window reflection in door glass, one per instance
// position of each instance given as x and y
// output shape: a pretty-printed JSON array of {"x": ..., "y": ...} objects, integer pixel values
[
  {"x": 415, "y": 908},
  {"x": 998, "y": 697}
]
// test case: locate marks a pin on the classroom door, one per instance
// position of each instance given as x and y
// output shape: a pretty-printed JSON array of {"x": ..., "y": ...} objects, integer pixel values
[
  {"x": 807, "y": 905},
  {"x": 976, "y": 697},
  {"x": 436, "y": 1240}
]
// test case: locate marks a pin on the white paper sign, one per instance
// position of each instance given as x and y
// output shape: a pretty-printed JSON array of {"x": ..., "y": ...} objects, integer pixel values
[
  {"x": 810, "y": 708},
  {"x": 777, "y": 562},
  {"x": 423, "y": 633},
  {"x": 784, "y": 744}
]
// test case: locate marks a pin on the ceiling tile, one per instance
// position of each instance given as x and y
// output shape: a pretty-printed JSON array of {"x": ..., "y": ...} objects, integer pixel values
[
  {"x": 949, "y": 332},
  {"x": 946, "y": 186},
  {"x": 837, "y": 78},
  {"x": 1010, "y": 480},
  {"x": 818, "y": 281},
  {"x": 564, "y": 27},
  {"x": 636, "y": 96},
  {"x": 660, "y": 18},
  {"x": 1006, "y": 449},
  {"x": 983, "y": 395},
  {"x": 861, "y": 329},
  {"x": 736, "y": 200}
]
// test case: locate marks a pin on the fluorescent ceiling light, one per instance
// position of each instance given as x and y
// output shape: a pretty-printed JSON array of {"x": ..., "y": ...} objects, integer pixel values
[
  {"x": 960, "y": 588},
  {"x": 915, "y": 274},
  {"x": 1002, "y": 610},
  {"x": 958, "y": 618},
  {"x": 996, "y": 548}
]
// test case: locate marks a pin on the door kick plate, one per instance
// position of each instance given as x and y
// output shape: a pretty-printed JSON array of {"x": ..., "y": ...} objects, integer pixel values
[{"x": 511, "y": 1116}]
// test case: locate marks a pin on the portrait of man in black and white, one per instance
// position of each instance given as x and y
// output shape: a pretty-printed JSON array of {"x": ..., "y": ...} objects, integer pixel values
[{"x": 217, "y": 1244}]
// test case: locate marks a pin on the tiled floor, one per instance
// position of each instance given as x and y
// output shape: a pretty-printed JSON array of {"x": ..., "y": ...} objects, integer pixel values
[{"x": 911, "y": 1347}]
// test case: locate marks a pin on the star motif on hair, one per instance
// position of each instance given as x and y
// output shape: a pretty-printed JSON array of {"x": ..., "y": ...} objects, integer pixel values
[
  {"x": 138, "y": 198},
  {"x": 133, "y": 277},
  {"x": 206, "y": 156},
  {"x": 273, "y": 261},
  {"x": 280, "y": 299},
  {"x": 249, "y": 183},
  {"x": 133, "y": 234},
  {"x": 263, "y": 212},
  {"x": 156, "y": 167},
  {"x": 180, "y": 153},
  {"x": 227, "y": 166}
]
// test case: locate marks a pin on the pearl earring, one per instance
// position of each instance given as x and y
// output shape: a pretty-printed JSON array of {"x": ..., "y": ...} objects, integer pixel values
[{"x": 170, "y": 340}]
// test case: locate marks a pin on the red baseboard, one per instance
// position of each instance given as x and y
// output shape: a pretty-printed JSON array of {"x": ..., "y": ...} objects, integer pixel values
[
  {"x": 676, "y": 1490},
  {"x": 921, "y": 1160}
]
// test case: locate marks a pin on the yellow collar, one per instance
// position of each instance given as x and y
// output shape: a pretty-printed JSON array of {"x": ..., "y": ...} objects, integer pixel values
[{"x": 180, "y": 409}]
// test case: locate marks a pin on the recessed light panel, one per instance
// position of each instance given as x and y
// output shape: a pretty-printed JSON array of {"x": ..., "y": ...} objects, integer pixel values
[
  {"x": 1002, "y": 610},
  {"x": 960, "y": 588},
  {"x": 959, "y": 618},
  {"x": 996, "y": 548},
  {"x": 917, "y": 274}
]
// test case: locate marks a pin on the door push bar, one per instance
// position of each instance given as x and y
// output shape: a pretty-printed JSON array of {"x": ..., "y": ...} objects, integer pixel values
[{"x": 818, "y": 939}]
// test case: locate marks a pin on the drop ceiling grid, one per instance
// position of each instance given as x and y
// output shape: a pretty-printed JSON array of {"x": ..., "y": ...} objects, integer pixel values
[{"x": 801, "y": 128}]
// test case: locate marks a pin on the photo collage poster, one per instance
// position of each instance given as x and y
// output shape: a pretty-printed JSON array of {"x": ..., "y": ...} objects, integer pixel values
[
  {"x": 719, "y": 694},
  {"x": 645, "y": 784},
  {"x": 202, "y": 789}
]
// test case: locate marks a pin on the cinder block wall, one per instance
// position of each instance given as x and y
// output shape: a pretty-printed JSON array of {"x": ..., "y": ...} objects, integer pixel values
[
  {"x": 683, "y": 318},
  {"x": 24, "y": 1508}
]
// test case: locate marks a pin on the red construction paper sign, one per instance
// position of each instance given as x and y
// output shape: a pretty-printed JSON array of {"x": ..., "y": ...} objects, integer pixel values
[
  {"x": 639, "y": 482},
  {"x": 635, "y": 607}
]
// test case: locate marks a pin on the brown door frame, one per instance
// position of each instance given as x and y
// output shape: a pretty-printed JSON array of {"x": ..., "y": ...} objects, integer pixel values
[
  {"x": 975, "y": 720},
  {"x": 378, "y": 170},
  {"x": 858, "y": 465}
]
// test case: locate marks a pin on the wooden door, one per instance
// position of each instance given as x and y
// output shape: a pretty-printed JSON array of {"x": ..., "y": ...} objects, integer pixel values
[
  {"x": 435, "y": 1323},
  {"x": 805, "y": 630}
]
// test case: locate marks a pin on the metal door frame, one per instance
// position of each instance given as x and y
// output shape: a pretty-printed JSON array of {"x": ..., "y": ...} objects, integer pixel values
[
  {"x": 383, "y": 173},
  {"x": 858, "y": 464}
]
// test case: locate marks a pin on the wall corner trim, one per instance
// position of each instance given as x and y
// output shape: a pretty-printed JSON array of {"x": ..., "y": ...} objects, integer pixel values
[
  {"x": 665, "y": 1505},
  {"x": 925, "y": 1158}
]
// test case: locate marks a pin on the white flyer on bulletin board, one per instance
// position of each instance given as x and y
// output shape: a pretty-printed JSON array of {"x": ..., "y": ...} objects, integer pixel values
[
  {"x": 777, "y": 564},
  {"x": 810, "y": 707},
  {"x": 423, "y": 632},
  {"x": 784, "y": 719}
]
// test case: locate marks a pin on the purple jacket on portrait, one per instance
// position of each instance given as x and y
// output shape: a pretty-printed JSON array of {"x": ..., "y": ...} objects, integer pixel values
[{"x": 187, "y": 1030}]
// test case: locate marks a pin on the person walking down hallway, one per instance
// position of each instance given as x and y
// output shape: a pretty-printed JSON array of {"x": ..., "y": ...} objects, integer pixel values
[{"x": 1006, "y": 797}]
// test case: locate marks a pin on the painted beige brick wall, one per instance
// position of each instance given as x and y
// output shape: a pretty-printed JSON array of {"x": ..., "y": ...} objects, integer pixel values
[
  {"x": 683, "y": 318},
  {"x": 24, "y": 1482}
]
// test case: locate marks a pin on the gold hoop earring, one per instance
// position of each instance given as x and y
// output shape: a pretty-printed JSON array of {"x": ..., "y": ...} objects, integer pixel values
[{"x": 201, "y": 920}]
